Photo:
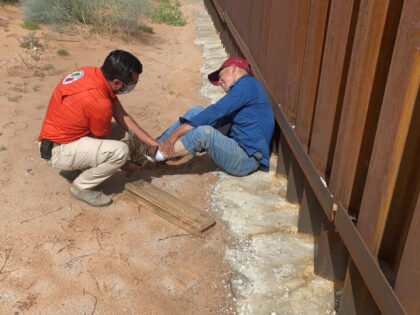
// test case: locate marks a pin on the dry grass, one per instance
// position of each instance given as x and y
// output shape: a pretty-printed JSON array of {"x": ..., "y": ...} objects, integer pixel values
[{"x": 96, "y": 15}]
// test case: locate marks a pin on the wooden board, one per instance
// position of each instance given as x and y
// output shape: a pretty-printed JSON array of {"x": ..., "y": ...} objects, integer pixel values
[{"x": 171, "y": 208}]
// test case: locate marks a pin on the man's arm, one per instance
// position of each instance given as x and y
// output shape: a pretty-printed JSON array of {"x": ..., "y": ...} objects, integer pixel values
[
  {"x": 128, "y": 124},
  {"x": 238, "y": 97},
  {"x": 167, "y": 147}
]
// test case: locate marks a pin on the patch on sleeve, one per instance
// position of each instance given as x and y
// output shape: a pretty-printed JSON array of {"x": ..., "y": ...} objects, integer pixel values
[{"x": 73, "y": 77}]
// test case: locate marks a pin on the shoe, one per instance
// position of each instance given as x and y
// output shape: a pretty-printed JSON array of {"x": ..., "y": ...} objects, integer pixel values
[
  {"x": 91, "y": 197},
  {"x": 70, "y": 176},
  {"x": 140, "y": 151}
]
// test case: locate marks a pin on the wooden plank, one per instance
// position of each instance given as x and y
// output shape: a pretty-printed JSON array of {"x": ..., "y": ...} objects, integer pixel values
[
  {"x": 171, "y": 205},
  {"x": 332, "y": 82},
  {"x": 163, "y": 214},
  {"x": 311, "y": 69},
  {"x": 408, "y": 276}
]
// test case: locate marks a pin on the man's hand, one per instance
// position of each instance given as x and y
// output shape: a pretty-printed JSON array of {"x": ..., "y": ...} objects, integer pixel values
[{"x": 167, "y": 147}]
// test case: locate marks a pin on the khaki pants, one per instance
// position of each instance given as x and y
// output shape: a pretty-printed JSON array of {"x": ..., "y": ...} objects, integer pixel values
[{"x": 99, "y": 158}]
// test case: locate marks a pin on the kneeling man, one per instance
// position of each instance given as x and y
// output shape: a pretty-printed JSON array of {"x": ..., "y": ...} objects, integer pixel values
[{"x": 76, "y": 131}]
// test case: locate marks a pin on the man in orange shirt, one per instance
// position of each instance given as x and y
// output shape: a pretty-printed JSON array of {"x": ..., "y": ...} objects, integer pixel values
[{"x": 77, "y": 125}]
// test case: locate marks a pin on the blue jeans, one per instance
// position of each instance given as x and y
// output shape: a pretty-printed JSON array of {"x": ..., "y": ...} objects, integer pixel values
[{"x": 225, "y": 151}]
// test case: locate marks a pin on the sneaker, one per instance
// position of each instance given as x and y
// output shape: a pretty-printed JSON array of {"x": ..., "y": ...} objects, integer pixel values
[
  {"x": 91, "y": 197},
  {"x": 140, "y": 151}
]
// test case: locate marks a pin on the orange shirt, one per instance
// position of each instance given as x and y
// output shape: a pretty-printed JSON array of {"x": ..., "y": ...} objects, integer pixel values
[{"x": 81, "y": 104}]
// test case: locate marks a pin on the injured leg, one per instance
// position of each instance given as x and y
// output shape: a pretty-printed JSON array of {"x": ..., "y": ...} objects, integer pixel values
[{"x": 179, "y": 150}]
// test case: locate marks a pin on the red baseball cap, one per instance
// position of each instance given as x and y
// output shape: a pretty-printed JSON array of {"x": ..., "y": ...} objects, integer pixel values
[{"x": 237, "y": 61}]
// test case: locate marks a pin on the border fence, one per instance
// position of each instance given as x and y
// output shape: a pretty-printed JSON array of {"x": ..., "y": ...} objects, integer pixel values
[{"x": 343, "y": 79}]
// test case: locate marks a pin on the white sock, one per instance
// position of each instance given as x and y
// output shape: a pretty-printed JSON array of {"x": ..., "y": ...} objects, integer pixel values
[{"x": 157, "y": 158}]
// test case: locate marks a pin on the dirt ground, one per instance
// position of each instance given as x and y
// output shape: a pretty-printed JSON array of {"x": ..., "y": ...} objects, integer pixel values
[{"x": 58, "y": 255}]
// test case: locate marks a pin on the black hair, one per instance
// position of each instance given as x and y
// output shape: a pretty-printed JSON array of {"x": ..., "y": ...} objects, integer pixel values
[{"x": 121, "y": 65}]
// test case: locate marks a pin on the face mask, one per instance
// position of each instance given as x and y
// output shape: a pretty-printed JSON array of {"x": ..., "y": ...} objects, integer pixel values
[{"x": 128, "y": 90}]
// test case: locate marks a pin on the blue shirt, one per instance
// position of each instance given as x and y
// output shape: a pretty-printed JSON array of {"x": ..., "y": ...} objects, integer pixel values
[{"x": 247, "y": 108}]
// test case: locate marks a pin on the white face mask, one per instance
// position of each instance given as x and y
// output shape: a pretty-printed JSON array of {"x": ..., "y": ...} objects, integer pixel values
[{"x": 128, "y": 90}]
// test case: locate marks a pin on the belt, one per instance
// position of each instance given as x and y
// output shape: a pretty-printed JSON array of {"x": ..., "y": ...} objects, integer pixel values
[{"x": 45, "y": 148}]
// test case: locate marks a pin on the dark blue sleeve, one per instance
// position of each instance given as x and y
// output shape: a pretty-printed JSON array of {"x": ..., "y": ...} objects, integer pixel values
[{"x": 238, "y": 97}]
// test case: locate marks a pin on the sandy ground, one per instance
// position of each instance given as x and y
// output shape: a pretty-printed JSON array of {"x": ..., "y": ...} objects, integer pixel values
[{"x": 58, "y": 255}]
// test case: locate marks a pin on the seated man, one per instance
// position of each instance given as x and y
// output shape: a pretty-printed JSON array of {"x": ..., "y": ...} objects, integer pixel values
[
  {"x": 235, "y": 131},
  {"x": 78, "y": 122}
]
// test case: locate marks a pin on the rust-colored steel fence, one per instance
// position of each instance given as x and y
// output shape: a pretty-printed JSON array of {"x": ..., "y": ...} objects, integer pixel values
[{"x": 343, "y": 78}]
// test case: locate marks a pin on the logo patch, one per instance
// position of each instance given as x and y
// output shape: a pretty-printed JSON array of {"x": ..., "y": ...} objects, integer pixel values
[{"x": 73, "y": 77}]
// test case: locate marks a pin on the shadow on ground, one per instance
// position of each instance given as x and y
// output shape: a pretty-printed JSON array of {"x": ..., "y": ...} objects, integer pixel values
[{"x": 197, "y": 165}]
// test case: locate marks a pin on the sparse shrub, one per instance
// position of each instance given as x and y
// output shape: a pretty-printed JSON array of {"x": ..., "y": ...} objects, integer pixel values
[
  {"x": 8, "y": 2},
  {"x": 47, "y": 67},
  {"x": 3, "y": 148},
  {"x": 36, "y": 57},
  {"x": 14, "y": 99},
  {"x": 35, "y": 88},
  {"x": 99, "y": 15},
  {"x": 146, "y": 29},
  {"x": 20, "y": 88},
  {"x": 62, "y": 52},
  {"x": 39, "y": 74},
  {"x": 168, "y": 13},
  {"x": 30, "y": 41},
  {"x": 30, "y": 25}
]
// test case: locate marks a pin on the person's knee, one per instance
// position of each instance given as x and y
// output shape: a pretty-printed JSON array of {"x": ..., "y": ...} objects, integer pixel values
[
  {"x": 121, "y": 153},
  {"x": 205, "y": 131},
  {"x": 206, "y": 135}
]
